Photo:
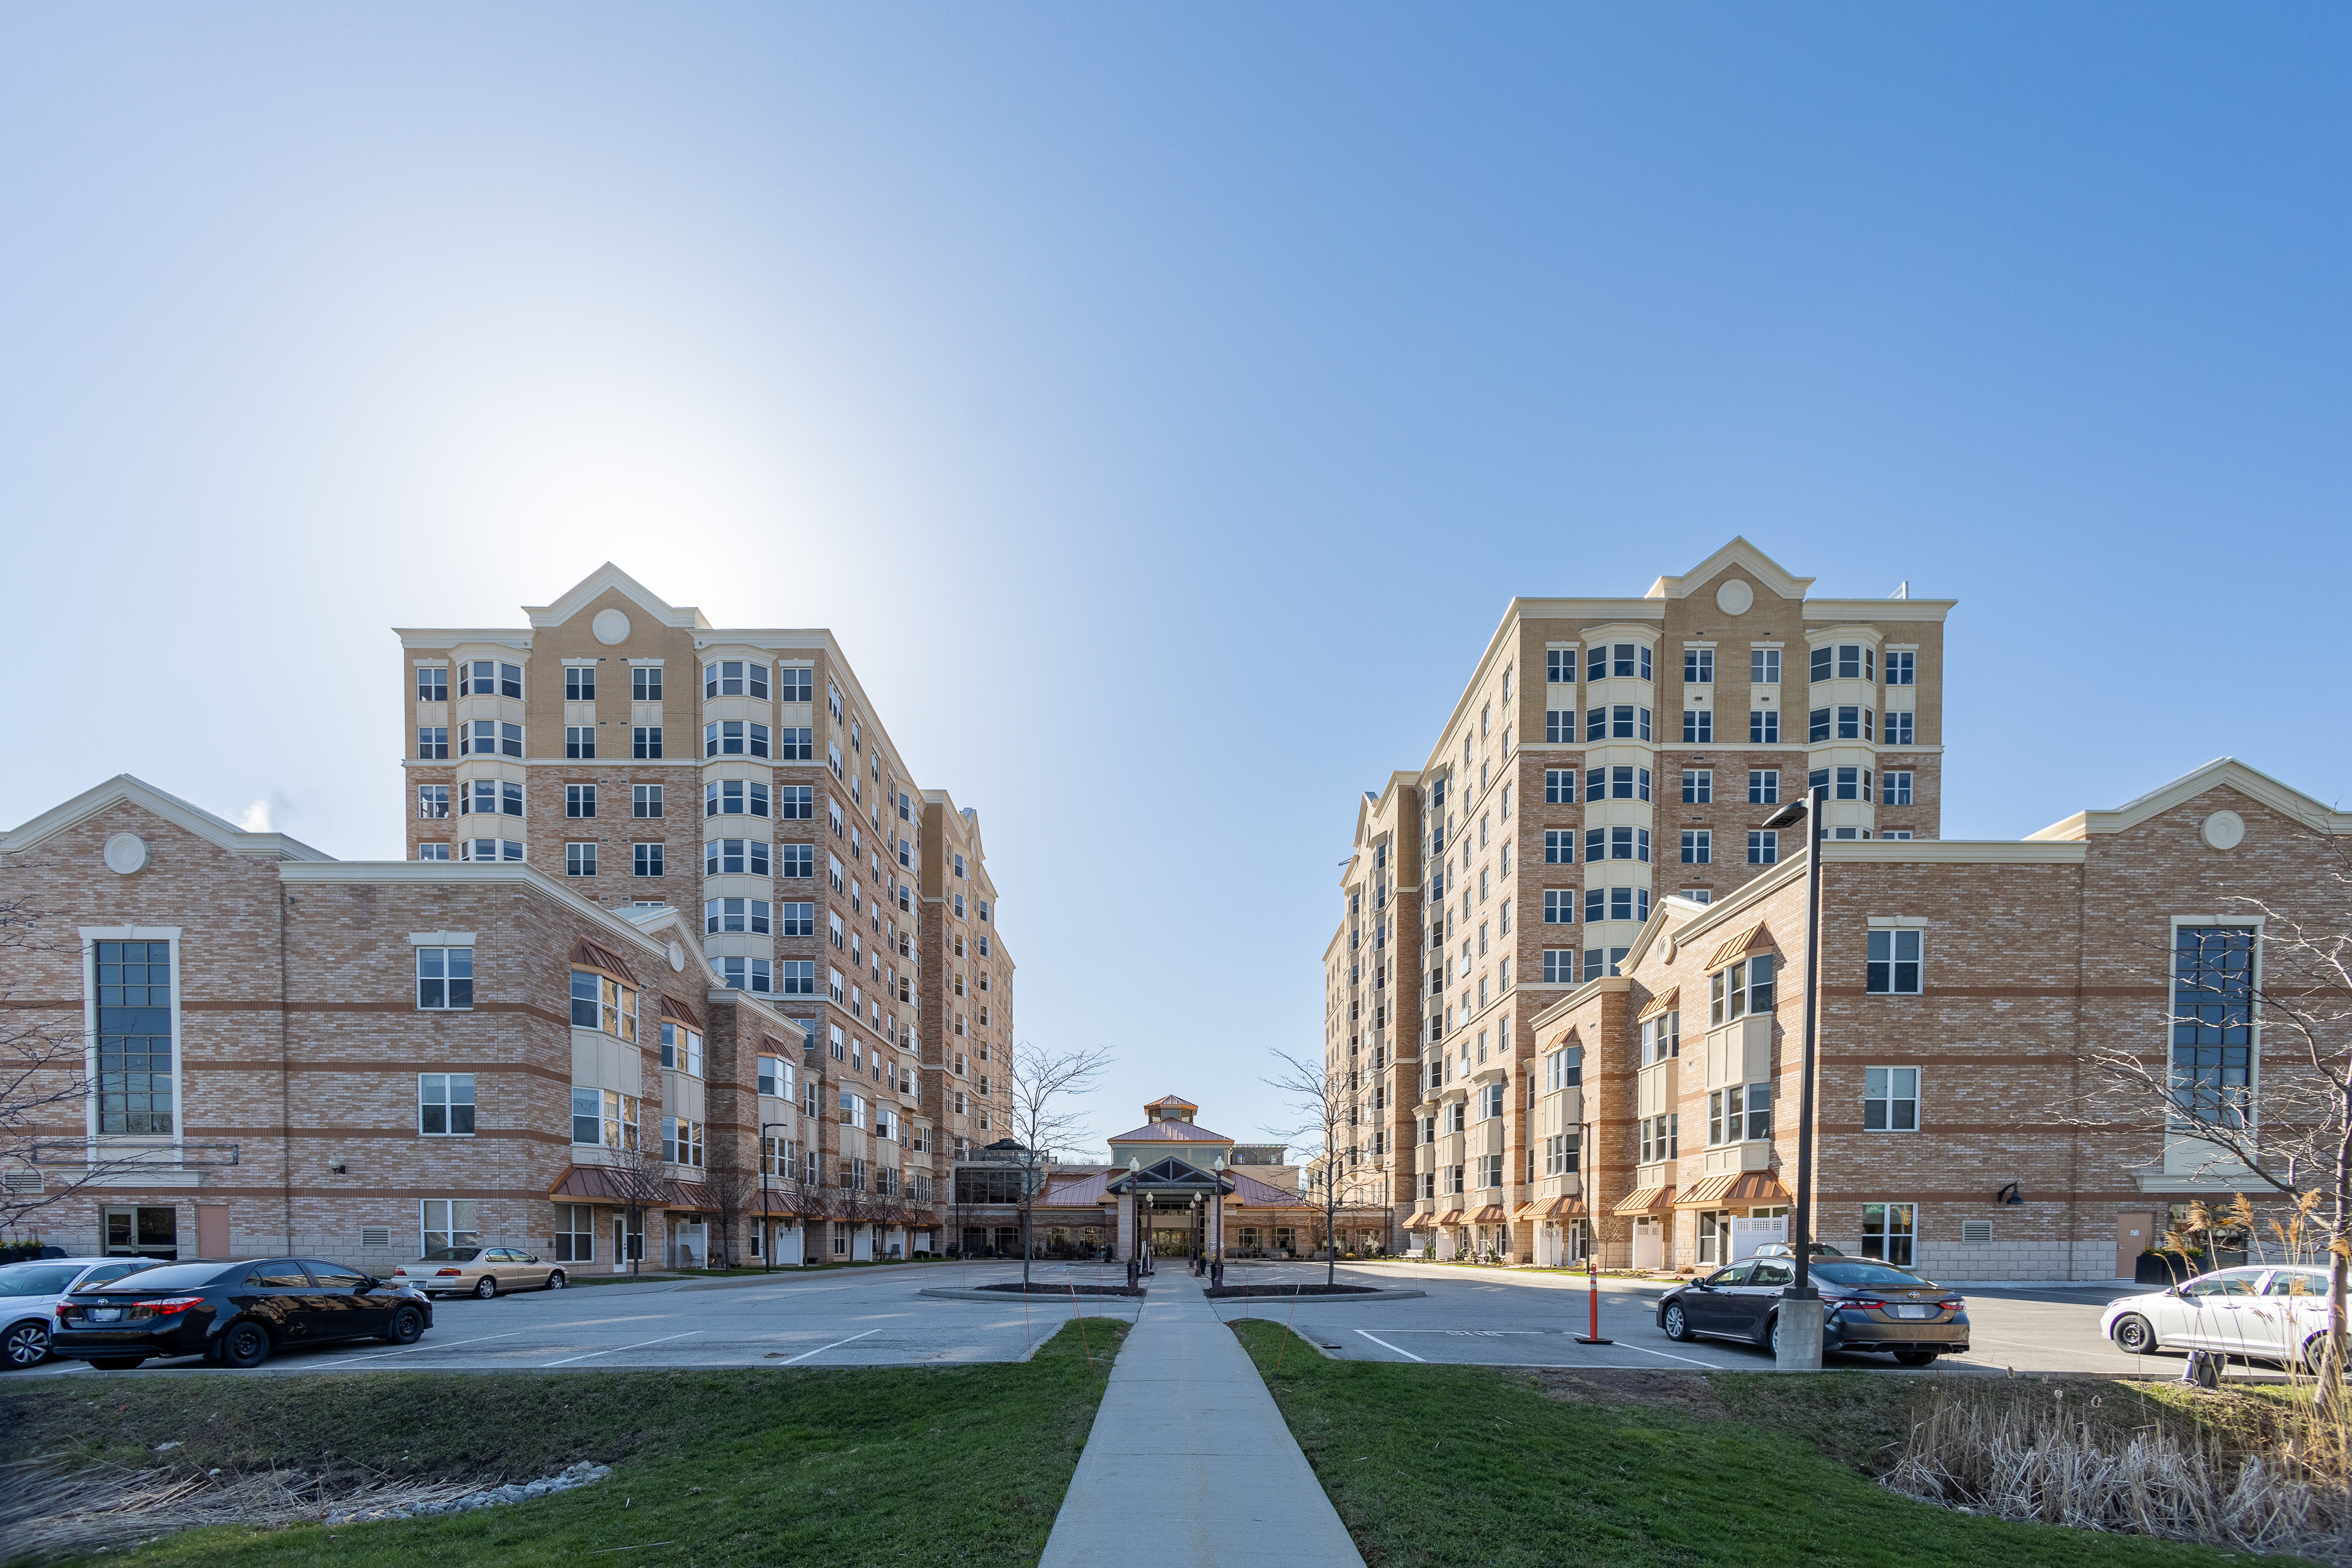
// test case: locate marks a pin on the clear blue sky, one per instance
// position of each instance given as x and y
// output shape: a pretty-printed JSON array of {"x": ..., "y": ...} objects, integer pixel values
[{"x": 1162, "y": 402}]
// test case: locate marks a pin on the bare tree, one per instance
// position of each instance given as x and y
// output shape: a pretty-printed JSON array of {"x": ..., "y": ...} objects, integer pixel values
[
  {"x": 2290, "y": 989},
  {"x": 1041, "y": 1086},
  {"x": 42, "y": 1075},
  {"x": 732, "y": 1189},
  {"x": 640, "y": 1180},
  {"x": 1321, "y": 1093}
]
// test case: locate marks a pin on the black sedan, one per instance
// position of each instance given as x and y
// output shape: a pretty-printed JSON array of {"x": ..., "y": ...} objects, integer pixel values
[
  {"x": 231, "y": 1314},
  {"x": 1865, "y": 1306}
]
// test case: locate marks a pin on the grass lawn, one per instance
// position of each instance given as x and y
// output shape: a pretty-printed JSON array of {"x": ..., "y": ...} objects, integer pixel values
[
  {"x": 870, "y": 1465},
  {"x": 1436, "y": 1467}
]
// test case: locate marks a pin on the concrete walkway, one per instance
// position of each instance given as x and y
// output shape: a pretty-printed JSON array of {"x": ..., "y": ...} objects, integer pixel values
[{"x": 1190, "y": 1465}]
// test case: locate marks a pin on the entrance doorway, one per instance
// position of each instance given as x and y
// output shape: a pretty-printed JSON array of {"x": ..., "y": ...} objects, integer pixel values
[{"x": 143, "y": 1232}]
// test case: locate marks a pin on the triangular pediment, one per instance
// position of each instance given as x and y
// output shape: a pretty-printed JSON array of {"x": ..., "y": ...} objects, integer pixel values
[
  {"x": 607, "y": 579},
  {"x": 126, "y": 788},
  {"x": 1751, "y": 561},
  {"x": 2221, "y": 773}
]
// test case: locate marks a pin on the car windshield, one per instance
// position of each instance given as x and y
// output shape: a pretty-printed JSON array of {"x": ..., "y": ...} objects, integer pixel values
[
  {"x": 170, "y": 1276},
  {"x": 38, "y": 1278},
  {"x": 454, "y": 1255},
  {"x": 1842, "y": 1273}
]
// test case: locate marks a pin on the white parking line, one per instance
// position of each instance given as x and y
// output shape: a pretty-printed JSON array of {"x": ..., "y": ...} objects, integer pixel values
[
  {"x": 821, "y": 1349},
  {"x": 1386, "y": 1346},
  {"x": 1711, "y": 1366},
  {"x": 616, "y": 1350},
  {"x": 412, "y": 1349}
]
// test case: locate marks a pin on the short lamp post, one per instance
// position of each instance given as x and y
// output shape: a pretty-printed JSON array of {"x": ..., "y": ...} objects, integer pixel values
[
  {"x": 767, "y": 1232},
  {"x": 1799, "y": 1326}
]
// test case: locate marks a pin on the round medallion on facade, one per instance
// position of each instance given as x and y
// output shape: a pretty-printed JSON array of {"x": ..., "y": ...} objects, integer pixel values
[
  {"x": 676, "y": 956},
  {"x": 2224, "y": 830},
  {"x": 1735, "y": 597},
  {"x": 126, "y": 853},
  {"x": 611, "y": 628}
]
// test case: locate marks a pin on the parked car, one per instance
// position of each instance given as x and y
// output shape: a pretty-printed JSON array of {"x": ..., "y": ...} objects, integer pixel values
[
  {"x": 29, "y": 1294},
  {"x": 233, "y": 1313},
  {"x": 1789, "y": 1249},
  {"x": 1865, "y": 1306},
  {"x": 482, "y": 1271},
  {"x": 2267, "y": 1313}
]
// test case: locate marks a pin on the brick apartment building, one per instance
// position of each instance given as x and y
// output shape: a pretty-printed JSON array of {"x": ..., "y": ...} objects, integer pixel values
[
  {"x": 1528, "y": 924},
  {"x": 718, "y": 812}
]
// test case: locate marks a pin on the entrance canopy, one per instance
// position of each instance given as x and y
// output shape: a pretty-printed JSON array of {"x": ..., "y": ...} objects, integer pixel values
[{"x": 1170, "y": 1177}]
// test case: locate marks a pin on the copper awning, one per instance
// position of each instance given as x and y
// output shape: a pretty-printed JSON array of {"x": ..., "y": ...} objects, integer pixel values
[
  {"x": 1736, "y": 1188},
  {"x": 1450, "y": 1216},
  {"x": 1645, "y": 1200},
  {"x": 1664, "y": 1001},
  {"x": 1552, "y": 1208},
  {"x": 1488, "y": 1214},
  {"x": 1422, "y": 1222}
]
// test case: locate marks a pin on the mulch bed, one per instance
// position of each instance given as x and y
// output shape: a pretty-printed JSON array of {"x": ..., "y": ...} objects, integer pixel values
[
  {"x": 1039, "y": 1288},
  {"x": 1218, "y": 1292}
]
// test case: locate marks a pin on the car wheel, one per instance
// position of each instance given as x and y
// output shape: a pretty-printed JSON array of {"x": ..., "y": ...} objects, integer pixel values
[
  {"x": 118, "y": 1363},
  {"x": 25, "y": 1344},
  {"x": 2316, "y": 1353},
  {"x": 407, "y": 1326},
  {"x": 555, "y": 1281},
  {"x": 2134, "y": 1335},
  {"x": 245, "y": 1345},
  {"x": 1916, "y": 1358},
  {"x": 1675, "y": 1323},
  {"x": 1772, "y": 1336},
  {"x": 485, "y": 1287}
]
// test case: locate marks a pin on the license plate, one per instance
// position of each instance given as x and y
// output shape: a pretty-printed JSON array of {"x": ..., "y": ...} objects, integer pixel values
[
  {"x": 103, "y": 1314},
  {"x": 1914, "y": 1312}
]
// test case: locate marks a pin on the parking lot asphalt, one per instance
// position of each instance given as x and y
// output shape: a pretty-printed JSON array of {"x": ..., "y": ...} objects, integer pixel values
[{"x": 877, "y": 1317}]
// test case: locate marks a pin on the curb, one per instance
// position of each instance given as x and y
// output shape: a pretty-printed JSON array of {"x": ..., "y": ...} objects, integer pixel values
[
  {"x": 1013, "y": 1298},
  {"x": 1318, "y": 1300}
]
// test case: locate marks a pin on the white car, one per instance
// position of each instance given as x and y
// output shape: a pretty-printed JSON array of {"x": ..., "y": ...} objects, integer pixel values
[
  {"x": 2268, "y": 1312},
  {"x": 29, "y": 1294}
]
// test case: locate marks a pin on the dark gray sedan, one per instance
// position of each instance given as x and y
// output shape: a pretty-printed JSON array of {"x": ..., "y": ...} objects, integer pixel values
[{"x": 1865, "y": 1306}]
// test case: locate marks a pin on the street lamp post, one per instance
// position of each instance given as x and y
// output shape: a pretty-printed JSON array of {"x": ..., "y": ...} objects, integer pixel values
[
  {"x": 767, "y": 1235},
  {"x": 1801, "y": 1321}
]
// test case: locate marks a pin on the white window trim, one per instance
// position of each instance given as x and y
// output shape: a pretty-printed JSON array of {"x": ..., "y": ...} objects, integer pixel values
[
  {"x": 1906, "y": 922},
  {"x": 90, "y": 937},
  {"x": 441, "y": 939}
]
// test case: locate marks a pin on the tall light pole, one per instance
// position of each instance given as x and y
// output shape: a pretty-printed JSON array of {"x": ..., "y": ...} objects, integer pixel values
[{"x": 1800, "y": 1330}]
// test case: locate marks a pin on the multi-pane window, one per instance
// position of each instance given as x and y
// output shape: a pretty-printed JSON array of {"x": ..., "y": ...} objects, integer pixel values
[
  {"x": 735, "y": 678},
  {"x": 1816, "y": 724},
  {"x": 1618, "y": 658},
  {"x": 1894, "y": 965},
  {"x": 433, "y": 800},
  {"x": 580, "y": 740},
  {"x": 489, "y": 797},
  {"x": 1763, "y": 846},
  {"x": 734, "y": 738},
  {"x": 792, "y": 685},
  {"x": 1616, "y": 904},
  {"x": 734, "y": 798},
  {"x": 1698, "y": 846},
  {"x": 444, "y": 978},
  {"x": 1559, "y": 1155},
  {"x": 1764, "y": 786},
  {"x": 738, "y": 914},
  {"x": 681, "y": 1047},
  {"x": 1698, "y": 786},
  {"x": 796, "y": 920},
  {"x": 432, "y": 685},
  {"x": 796, "y": 860},
  {"x": 1764, "y": 727},
  {"x": 1616, "y": 844},
  {"x": 1490, "y": 1101},
  {"x": 798, "y": 976},
  {"x": 1563, "y": 1069},
  {"x": 1661, "y": 1137},
  {"x": 445, "y": 1104},
  {"x": 734, "y": 856},
  {"x": 489, "y": 849},
  {"x": 2212, "y": 1024},
  {"x": 433, "y": 742},
  {"x": 433, "y": 852},
  {"x": 1560, "y": 786},
  {"x": 579, "y": 683},
  {"x": 1560, "y": 725},
  {"x": 492, "y": 679},
  {"x": 1742, "y": 1112},
  {"x": 1764, "y": 666},
  {"x": 1845, "y": 661},
  {"x": 579, "y": 860},
  {"x": 576, "y": 1231},
  {"x": 682, "y": 1140},
  {"x": 1745, "y": 987},
  {"x": 605, "y": 1117},
  {"x": 796, "y": 744},
  {"x": 488, "y": 738},
  {"x": 445, "y": 1223},
  {"x": 645, "y": 800},
  {"x": 1559, "y": 907},
  {"x": 1617, "y": 783},
  {"x": 1490, "y": 1170},
  {"x": 1559, "y": 966},
  {"x": 578, "y": 800},
  {"x": 134, "y": 1038},
  {"x": 646, "y": 683},
  {"x": 602, "y": 1003},
  {"x": 743, "y": 974},
  {"x": 646, "y": 860},
  {"x": 1888, "y": 1232},
  {"x": 1559, "y": 846},
  {"x": 1698, "y": 666},
  {"x": 1890, "y": 1100},
  {"x": 795, "y": 802},
  {"x": 1698, "y": 726},
  {"x": 1560, "y": 665},
  {"x": 1895, "y": 788},
  {"x": 1900, "y": 729},
  {"x": 1902, "y": 668},
  {"x": 1662, "y": 1037},
  {"x": 645, "y": 742}
]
